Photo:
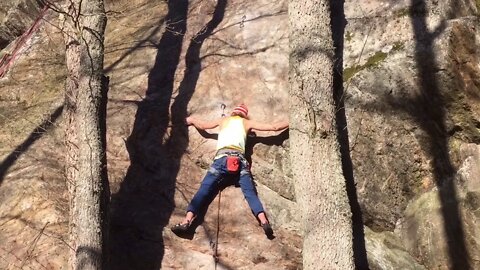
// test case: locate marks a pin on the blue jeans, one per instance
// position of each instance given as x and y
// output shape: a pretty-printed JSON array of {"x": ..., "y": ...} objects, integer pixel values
[{"x": 217, "y": 178}]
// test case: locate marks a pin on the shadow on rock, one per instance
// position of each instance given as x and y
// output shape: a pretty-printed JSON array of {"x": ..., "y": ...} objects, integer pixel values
[{"x": 143, "y": 206}]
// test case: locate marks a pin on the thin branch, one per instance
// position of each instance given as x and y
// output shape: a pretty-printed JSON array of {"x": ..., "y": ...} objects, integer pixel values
[
  {"x": 57, "y": 27},
  {"x": 53, "y": 7},
  {"x": 32, "y": 246}
]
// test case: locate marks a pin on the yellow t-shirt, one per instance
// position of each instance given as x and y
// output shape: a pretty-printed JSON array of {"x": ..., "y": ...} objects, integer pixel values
[{"x": 232, "y": 134}]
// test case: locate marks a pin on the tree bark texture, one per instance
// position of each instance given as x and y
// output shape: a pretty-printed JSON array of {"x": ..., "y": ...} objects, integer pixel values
[
  {"x": 85, "y": 96},
  {"x": 320, "y": 186}
]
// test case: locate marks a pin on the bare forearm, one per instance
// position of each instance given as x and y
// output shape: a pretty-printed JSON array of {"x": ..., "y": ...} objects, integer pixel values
[
  {"x": 280, "y": 125},
  {"x": 276, "y": 126}
]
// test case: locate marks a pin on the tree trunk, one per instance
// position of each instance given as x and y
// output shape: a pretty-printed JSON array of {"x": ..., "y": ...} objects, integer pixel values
[
  {"x": 320, "y": 186},
  {"x": 85, "y": 104}
]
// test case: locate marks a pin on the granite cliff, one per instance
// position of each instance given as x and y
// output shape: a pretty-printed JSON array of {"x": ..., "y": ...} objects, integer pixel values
[{"x": 412, "y": 93}]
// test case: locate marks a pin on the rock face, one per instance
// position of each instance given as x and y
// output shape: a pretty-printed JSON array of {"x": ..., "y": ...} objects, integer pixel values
[
  {"x": 412, "y": 86},
  {"x": 411, "y": 80},
  {"x": 243, "y": 60},
  {"x": 386, "y": 251}
]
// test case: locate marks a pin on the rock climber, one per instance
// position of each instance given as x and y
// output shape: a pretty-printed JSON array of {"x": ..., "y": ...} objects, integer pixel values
[{"x": 229, "y": 162}]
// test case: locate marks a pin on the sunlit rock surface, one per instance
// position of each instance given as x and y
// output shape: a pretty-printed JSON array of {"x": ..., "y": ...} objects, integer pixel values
[{"x": 411, "y": 80}]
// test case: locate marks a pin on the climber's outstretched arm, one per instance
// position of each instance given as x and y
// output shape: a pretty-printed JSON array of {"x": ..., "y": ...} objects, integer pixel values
[
  {"x": 203, "y": 124},
  {"x": 276, "y": 126}
]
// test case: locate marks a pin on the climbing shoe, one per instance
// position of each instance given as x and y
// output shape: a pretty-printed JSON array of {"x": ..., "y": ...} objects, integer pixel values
[
  {"x": 181, "y": 228},
  {"x": 268, "y": 230},
  {"x": 185, "y": 230}
]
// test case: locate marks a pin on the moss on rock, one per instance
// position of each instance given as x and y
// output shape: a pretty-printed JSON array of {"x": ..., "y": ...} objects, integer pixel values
[
  {"x": 349, "y": 35},
  {"x": 402, "y": 12},
  {"x": 372, "y": 62}
]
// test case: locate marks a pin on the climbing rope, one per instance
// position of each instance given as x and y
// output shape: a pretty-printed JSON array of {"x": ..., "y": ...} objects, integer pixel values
[
  {"x": 215, "y": 247},
  {"x": 215, "y": 251},
  {"x": 7, "y": 60}
]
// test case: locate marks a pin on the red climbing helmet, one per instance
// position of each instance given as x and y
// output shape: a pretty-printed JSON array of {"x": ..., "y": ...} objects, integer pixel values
[{"x": 241, "y": 109}]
